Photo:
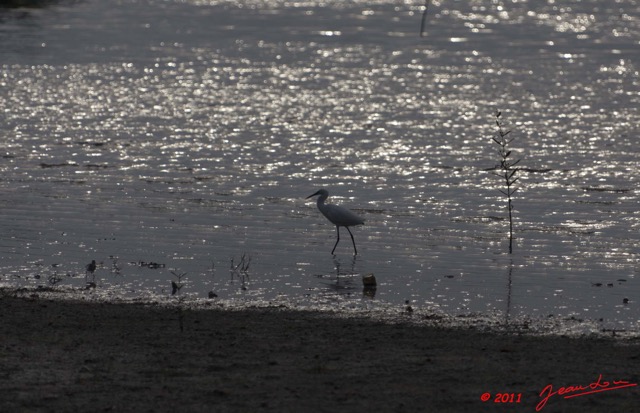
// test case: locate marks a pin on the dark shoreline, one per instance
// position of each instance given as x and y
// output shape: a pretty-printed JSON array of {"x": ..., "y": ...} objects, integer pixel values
[{"x": 75, "y": 356}]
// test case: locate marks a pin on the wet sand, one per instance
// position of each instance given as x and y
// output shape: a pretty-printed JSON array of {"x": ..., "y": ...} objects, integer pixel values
[{"x": 66, "y": 356}]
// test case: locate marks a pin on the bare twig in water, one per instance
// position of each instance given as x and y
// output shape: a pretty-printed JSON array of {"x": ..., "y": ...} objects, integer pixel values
[
  {"x": 243, "y": 265},
  {"x": 424, "y": 17},
  {"x": 241, "y": 270},
  {"x": 115, "y": 268},
  {"x": 507, "y": 171}
]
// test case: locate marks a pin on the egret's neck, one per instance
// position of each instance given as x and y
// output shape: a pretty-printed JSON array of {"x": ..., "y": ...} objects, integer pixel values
[{"x": 321, "y": 199}]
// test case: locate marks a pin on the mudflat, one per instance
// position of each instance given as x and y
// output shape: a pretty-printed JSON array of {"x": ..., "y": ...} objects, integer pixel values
[{"x": 75, "y": 356}]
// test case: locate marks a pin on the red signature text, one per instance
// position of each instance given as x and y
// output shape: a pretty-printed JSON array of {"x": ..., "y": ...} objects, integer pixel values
[{"x": 581, "y": 390}]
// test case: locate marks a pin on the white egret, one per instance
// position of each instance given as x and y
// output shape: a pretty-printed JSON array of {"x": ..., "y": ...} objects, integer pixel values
[{"x": 339, "y": 216}]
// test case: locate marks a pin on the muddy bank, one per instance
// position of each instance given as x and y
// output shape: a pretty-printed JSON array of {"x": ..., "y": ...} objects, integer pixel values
[{"x": 74, "y": 356}]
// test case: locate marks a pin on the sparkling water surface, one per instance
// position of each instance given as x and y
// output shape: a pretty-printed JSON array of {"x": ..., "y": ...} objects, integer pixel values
[{"x": 163, "y": 138}]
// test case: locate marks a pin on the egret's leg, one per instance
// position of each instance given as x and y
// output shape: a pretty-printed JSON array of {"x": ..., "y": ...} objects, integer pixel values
[
  {"x": 337, "y": 240},
  {"x": 355, "y": 250}
]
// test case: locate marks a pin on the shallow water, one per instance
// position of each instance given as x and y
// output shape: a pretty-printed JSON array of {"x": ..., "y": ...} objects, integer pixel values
[{"x": 187, "y": 134}]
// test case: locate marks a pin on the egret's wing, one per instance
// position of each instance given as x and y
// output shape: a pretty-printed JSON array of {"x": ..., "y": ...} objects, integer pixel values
[{"x": 341, "y": 216}]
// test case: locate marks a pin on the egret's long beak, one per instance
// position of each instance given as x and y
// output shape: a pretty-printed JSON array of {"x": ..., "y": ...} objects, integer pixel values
[{"x": 312, "y": 195}]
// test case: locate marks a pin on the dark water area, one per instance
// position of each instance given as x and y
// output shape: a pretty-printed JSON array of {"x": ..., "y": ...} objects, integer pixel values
[{"x": 163, "y": 138}]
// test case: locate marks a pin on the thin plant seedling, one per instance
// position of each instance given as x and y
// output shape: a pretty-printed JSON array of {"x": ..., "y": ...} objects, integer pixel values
[
  {"x": 241, "y": 270},
  {"x": 506, "y": 170}
]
